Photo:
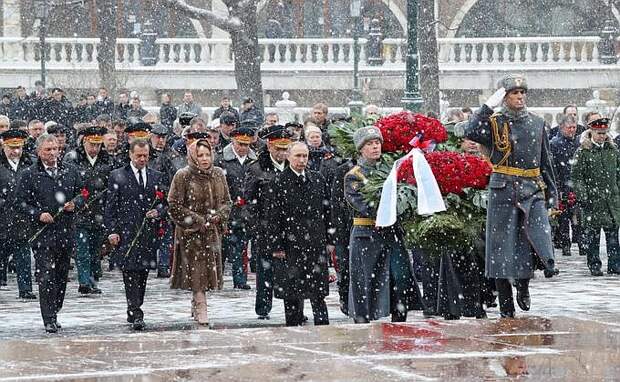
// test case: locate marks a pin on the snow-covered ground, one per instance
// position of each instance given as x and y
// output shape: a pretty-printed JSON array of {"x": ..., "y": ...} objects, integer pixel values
[{"x": 571, "y": 333}]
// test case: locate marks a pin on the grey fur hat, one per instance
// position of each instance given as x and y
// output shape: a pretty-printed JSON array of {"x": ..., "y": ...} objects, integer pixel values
[
  {"x": 512, "y": 82},
  {"x": 365, "y": 134}
]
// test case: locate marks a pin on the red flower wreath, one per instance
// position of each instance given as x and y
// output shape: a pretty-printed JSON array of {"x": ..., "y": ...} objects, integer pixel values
[
  {"x": 400, "y": 128},
  {"x": 453, "y": 171}
]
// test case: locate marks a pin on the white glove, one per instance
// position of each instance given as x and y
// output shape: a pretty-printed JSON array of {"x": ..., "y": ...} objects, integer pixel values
[{"x": 496, "y": 99}]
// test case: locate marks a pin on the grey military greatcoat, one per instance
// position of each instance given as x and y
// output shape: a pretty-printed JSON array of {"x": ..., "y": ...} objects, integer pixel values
[{"x": 518, "y": 234}]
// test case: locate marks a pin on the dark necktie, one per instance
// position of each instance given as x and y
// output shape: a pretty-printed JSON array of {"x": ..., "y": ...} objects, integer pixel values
[
  {"x": 140, "y": 178},
  {"x": 52, "y": 171}
]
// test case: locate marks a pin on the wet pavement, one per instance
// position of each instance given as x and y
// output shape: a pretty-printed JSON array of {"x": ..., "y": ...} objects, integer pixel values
[{"x": 572, "y": 333}]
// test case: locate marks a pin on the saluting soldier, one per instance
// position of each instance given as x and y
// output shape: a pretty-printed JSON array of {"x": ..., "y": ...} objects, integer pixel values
[
  {"x": 13, "y": 236},
  {"x": 94, "y": 165},
  {"x": 521, "y": 189},
  {"x": 269, "y": 164},
  {"x": 381, "y": 275}
]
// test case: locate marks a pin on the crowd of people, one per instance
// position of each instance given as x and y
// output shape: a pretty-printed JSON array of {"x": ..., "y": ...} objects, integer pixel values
[{"x": 184, "y": 193}]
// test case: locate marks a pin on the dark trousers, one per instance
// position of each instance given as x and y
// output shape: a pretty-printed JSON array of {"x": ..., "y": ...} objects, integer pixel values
[
  {"x": 20, "y": 253},
  {"x": 342, "y": 257},
  {"x": 264, "y": 281},
  {"x": 294, "y": 311},
  {"x": 87, "y": 259},
  {"x": 232, "y": 249},
  {"x": 504, "y": 293},
  {"x": 52, "y": 269},
  {"x": 135, "y": 287},
  {"x": 591, "y": 245},
  {"x": 567, "y": 220}
]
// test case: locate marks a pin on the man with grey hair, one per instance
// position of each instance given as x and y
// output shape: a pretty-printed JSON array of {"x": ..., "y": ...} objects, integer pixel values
[
  {"x": 563, "y": 147},
  {"x": 51, "y": 193}
]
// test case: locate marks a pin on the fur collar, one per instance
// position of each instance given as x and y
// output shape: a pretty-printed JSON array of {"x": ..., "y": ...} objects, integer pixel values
[
  {"x": 586, "y": 141},
  {"x": 228, "y": 153}
]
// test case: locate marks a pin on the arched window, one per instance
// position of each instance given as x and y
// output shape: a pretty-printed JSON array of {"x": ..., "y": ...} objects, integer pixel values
[{"x": 525, "y": 18}]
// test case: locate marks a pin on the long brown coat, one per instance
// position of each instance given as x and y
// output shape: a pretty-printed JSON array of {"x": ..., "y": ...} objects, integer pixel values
[{"x": 193, "y": 198}]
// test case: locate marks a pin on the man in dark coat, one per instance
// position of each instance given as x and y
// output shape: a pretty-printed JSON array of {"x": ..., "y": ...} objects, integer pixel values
[
  {"x": 167, "y": 112},
  {"x": 20, "y": 107},
  {"x": 299, "y": 229},
  {"x": 235, "y": 161},
  {"x": 13, "y": 236},
  {"x": 563, "y": 147},
  {"x": 260, "y": 173},
  {"x": 94, "y": 165},
  {"x": 134, "y": 207},
  {"x": 57, "y": 108},
  {"x": 160, "y": 159},
  {"x": 49, "y": 195},
  {"x": 133, "y": 211},
  {"x": 225, "y": 107},
  {"x": 104, "y": 104},
  {"x": 251, "y": 113},
  {"x": 382, "y": 280},
  {"x": 522, "y": 188}
]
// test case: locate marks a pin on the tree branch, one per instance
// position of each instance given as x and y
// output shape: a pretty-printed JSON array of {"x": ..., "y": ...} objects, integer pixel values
[{"x": 225, "y": 22}]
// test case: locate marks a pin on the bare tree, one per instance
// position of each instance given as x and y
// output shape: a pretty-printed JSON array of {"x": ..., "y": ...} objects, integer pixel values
[
  {"x": 427, "y": 49},
  {"x": 106, "y": 29},
  {"x": 241, "y": 23}
]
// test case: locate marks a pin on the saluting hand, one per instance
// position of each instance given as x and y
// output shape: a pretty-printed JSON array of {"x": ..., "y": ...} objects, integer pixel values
[
  {"x": 46, "y": 218},
  {"x": 279, "y": 254}
]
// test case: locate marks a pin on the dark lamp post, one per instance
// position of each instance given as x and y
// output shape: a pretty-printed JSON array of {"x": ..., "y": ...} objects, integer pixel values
[
  {"x": 356, "y": 104},
  {"x": 412, "y": 99}
]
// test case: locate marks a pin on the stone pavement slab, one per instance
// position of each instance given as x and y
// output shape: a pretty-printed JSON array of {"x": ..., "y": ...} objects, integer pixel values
[{"x": 572, "y": 333}]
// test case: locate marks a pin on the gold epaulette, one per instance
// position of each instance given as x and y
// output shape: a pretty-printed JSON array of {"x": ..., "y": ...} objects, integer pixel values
[{"x": 357, "y": 171}]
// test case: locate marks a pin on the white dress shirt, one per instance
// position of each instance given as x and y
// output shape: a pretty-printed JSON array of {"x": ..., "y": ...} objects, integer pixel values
[{"x": 136, "y": 174}]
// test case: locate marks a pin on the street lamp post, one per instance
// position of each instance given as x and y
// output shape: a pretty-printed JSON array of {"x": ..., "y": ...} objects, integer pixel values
[
  {"x": 412, "y": 99},
  {"x": 607, "y": 48},
  {"x": 42, "y": 13},
  {"x": 356, "y": 104}
]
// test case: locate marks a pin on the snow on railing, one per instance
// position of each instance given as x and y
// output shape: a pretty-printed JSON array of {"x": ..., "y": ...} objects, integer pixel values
[{"x": 305, "y": 52}]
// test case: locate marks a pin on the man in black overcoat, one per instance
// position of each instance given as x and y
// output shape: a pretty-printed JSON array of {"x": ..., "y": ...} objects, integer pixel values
[
  {"x": 299, "y": 229},
  {"x": 50, "y": 193},
  {"x": 270, "y": 163},
  {"x": 13, "y": 236},
  {"x": 135, "y": 205}
]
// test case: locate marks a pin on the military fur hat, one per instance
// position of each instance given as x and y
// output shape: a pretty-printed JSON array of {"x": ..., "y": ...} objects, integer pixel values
[
  {"x": 512, "y": 82},
  {"x": 365, "y": 134}
]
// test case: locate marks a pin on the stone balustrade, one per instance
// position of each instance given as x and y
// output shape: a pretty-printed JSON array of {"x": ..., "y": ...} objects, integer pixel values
[{"x": 307, "y": 53}]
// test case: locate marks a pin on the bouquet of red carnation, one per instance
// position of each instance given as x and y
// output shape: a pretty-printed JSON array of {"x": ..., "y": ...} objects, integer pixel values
[
  {"x": 454, "y": 171},
  {"x": 400, "y": 128}
]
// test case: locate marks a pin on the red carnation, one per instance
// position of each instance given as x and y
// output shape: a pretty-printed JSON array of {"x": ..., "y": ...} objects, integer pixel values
[
  {"x": 159, "y": 195},
  {"x": 84, "y": 193},
  {"x": 400, "y": 128},
  {"x": 240, "y": 201},
  {"x": 453, "y": 171}
]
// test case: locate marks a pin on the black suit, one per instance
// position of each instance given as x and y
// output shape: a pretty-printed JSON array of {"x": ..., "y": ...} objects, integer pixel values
[
  {"x": 126, "y": 207},
  {"x": 40, "y": 192}
]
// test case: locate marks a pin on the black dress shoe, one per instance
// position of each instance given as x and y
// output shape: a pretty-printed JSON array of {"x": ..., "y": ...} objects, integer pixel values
[
  {"x": 138, "y": 324},
  {"x": 58, "y": 325},
  {"x": 482, "y": 315},
  {"x": 428, "y": 313},
  {"x": 596, "y": 272},
  {"x": 163, "y": 274},
  {"x": 550, "y": 273},
  {"x": 510, "y": 314},
  {"x": 264, "y": 317},
  {"x": 523, "y": 299},
  {"x": 242, "y": 286},
  {"x": 612, "y": 272},
  {"x": 27, "y": 295},
  {"x": 95, "y": 290},
  {"x": 305, "y": 319},
  {"x": 51, "y": 327},
  {"x": 449, "y": 317}
]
